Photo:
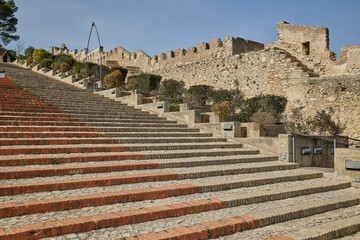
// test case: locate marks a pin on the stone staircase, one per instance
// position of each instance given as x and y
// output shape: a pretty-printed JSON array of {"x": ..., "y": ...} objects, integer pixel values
[
  {"x": 296, "y": 62},
  {"x": 75, "y": 165}
]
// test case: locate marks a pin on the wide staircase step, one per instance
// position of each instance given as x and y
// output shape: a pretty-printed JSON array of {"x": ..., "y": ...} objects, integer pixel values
[{"x": 75, "y": 165}]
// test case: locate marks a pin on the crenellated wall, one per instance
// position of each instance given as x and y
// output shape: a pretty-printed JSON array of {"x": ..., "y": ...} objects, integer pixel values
[{"x": 216, "y": 48}]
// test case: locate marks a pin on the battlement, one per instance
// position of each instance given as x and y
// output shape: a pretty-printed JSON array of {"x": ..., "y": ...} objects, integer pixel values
[{"x": 216, "y": 48}]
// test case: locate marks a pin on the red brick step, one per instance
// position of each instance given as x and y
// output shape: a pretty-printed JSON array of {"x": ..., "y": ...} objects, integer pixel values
[{"x": 59, "y": 171}]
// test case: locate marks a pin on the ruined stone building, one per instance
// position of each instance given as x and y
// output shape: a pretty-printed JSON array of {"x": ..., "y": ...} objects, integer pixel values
[{"x": 299, "y": 66}]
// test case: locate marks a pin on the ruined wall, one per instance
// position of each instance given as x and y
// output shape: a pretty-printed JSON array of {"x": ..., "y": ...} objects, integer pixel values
[
  {"x": 271, "y": 71},
  {"x": 308, "y": 44},
  {"x": 349, "y": 61}
]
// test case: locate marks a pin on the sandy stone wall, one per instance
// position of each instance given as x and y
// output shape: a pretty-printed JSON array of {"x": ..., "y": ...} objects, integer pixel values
[
  {"x": 213, "y": 49},
  {"x": 285, "y": 67},
  {"x": 271, "y": 71}
]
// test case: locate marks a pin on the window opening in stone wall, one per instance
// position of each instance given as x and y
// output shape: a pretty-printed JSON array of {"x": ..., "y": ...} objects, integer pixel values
[{"x": 306, "y": 48}]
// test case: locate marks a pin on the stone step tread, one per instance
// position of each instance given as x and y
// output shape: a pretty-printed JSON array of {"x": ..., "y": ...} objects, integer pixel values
[
  {"x": 119, "y": 138},
  {"x": 332, "y": 229},
  {"x": 188, "y": 162},
  {"x": 209, "y": 184},
  {"x": 35, "y": 123},
  {"x": 86, "y": 120},
  {"x": 244, "y": 196},
  {"x": 109, "y": 140},
  {"x": 165, "y": 223},
  {"x": 180, "y": 173},
  {"x": 163, "y": 153},
  {"x": 59, "y": 146},
  {"x": 286, "y": 228},
  {"x": 88, "y": 127},
  {"x": 280, "y": 212},
  {"x": 39, "y": 171}
]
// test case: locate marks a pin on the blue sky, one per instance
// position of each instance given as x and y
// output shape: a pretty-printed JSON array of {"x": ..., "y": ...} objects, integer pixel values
[{"x": 156, "y": 26}]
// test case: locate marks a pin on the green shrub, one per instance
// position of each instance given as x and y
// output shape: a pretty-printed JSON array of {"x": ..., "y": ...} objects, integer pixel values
[
  {"x": 55, "y": 66},
  {"x": 21, "y": 57},
  {"x": 172, "y": 90},
  {"x": 198, "y": 95},
  {"x": 234, "y": 97},
  {"x": 221, "y": 109},
  {"x": 123, "y": 71},
  {"x": 132, "y": 83},
  {"x": 64, "y": 67},
  {"x": 46, "y": 63},
  {"x": 113, "y": 79},
  {"x": 29, "y": 59},
  {"x": 29, "y": 51},
  {"x": 77, "y": 66},
  {"x": 147, "y": 82},
  {"x": 67, "y": 59},
  {"x": 275, "y": 105},
  {"x": 323, "y": 123},
  {"x": 40, "y": 54}
]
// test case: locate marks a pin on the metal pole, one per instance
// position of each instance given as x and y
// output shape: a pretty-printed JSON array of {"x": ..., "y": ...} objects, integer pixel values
[
  {"x": 100, "y": 60},
  {"x": 334, "y": 142},
  {"x": 293, "y": 148}
]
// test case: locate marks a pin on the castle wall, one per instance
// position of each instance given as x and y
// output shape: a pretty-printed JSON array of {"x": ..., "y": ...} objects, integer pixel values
[
  {"x": 271, "y": 71},
  {"x": 349, "y": 61},
  {"x": 282, "y": 67},
  {"x": 213, "y": 49}
]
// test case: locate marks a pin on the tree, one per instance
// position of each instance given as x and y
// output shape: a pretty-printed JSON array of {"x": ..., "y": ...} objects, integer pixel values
[
  {"x": 29, "y": 51},
  {"x": 8, "y": 21},
  {"x": 19, "y": 47}
]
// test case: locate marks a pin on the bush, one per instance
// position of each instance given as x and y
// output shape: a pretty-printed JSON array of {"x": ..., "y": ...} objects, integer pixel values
[
  {"x": 46, "y": 63},
  {"x": 132, "y": 84},
  {"x": 172, "y": 90},
  {"x": 147, "y": 82},
  {"x": 77, "y": 66},
  {"x": 198, "y": 95},
  {"x": 66, "y": 59},
  {"x": 64, "y": 67},
  {"x": 322, "y": 123},
  {"x": 275, "y": 105},
  {"x": 221, "y": 109},
  {"x": 40, "y": 54},
  {"x": 113, "y": 79},
  {"x": 55, "y": 66},
  {"x": 28, "y": 59},
  {"x": 264, "y": 119},
  {"x": 234, "y": 97},
  {"x": 21, "y": 57},
  {"x": 123, "y": 71}
]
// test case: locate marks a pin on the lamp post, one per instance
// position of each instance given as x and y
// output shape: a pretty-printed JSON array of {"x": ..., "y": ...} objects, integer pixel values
[{"x": 100, "y": 57}]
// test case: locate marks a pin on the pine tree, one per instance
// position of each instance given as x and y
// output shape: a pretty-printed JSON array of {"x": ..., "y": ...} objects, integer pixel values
[{"x": 8, "y": 21}]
